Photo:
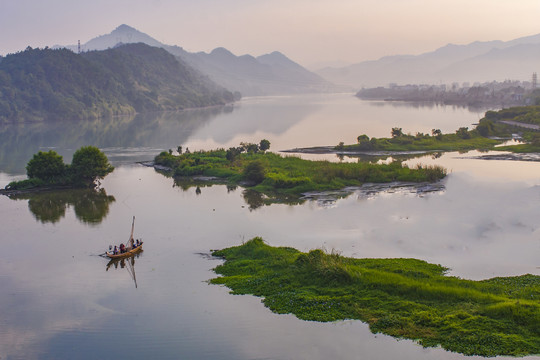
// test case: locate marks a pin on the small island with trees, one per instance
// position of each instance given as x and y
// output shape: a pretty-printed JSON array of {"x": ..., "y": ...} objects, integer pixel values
[
  {"x": 47, "y": 170},
  {"x": 493, "y": 130},
  {"x": 274, "y": 175}
]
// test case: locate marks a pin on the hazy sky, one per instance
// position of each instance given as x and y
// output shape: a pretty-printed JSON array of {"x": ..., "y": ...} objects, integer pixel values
[{"x": 307, "y": 31}]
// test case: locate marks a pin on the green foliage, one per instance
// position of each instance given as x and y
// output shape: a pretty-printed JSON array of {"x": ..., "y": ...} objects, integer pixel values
[
  {"x": 396, "y": 132},
  {"x": 437, "y": 133},
  {"x": 89, "y": 164},
  {"x": 47, "y": 169},
  {"x": 460, "y": 141},
  {"x": 362, "y": 138},
  {"x": 264, "y": 145},
  {"x": 463, "y": 133},
  {"x": 254, "y": 171},
  {"x": 491, "y": 125},
  {"x": 486, "y": 127},
  {"x": 404, "y": 298},
  {"x": 39, "y": 84},
  {"x": 46, "y": 166},
  {"x": 232, "y": 153},
  {"x": 274, "y": 174},
  {"x": 26, "y": 184}
]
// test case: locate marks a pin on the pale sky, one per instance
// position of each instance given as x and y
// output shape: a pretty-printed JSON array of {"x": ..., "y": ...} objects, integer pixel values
[{"x": 307, "y": 31}]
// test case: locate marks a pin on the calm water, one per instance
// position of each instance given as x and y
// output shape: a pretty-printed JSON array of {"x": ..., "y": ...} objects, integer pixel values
[{"x": 59, "y": 300}]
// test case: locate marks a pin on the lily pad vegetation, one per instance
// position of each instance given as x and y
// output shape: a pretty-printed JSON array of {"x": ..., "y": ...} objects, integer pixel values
[
  {"x": 252, "y": 166},
  {"x": 47, "y": 169},
  {"x": 404, "y": 298}
]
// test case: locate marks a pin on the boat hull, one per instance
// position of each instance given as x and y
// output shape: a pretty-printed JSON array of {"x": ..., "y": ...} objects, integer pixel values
[{"x": 128, "y": 253}]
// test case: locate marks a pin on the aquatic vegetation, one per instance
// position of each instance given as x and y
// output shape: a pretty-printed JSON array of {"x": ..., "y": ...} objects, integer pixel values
[
  {"x": 462, "y": 140},
  {"x": 404, "y": 298},
  {"x": 273, "y": 174}
]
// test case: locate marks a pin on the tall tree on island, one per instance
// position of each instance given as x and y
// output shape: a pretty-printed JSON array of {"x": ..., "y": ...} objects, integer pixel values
[{"x": 90, "y": 164}]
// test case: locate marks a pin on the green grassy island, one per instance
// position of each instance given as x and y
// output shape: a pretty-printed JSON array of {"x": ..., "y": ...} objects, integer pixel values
[
  {"x": 462, "y": 140},
  {"x": 492, "y": 130},
  {"x": 252, "y": 166},
  {"x": 404, "y": 298}
]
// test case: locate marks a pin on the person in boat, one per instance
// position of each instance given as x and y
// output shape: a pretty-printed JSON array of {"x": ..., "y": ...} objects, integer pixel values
[
  {"x": 131, "y": 244},
  {"x": 137, "y": 243},
  {"x": 115, "y": 251},
  {"x": 122, "y": 248}
]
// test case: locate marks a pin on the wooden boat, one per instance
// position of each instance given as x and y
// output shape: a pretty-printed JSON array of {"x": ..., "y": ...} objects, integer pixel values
[{"x": 130, "y": 251}]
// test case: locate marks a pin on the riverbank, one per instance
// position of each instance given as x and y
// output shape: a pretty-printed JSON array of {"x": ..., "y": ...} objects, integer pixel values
[{"x": 404, "y": 298}]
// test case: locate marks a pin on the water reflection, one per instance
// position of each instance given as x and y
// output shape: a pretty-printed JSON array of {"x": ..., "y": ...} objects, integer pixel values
[
  {"x": 125, "y": 263},
  {"x": 287, "y": 122},
  {"x": 153, "y": 132},
  {"x": 90, "y": 206},
  {"x": 432, "y": 105},
  {"x": 255, "y": 199}
]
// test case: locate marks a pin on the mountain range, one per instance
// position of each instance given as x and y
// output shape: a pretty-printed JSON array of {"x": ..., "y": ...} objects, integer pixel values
[
  {"x": 475, "y": 62},
  {"x": 270, "y": 74}
]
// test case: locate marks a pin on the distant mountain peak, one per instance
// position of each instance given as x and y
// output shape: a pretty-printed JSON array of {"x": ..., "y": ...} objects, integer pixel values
[
  {"x": 221, "y": 50},
  {"x": 272, "y": 73},
  {"x": 122, "y": 34},
  {"x": 125, "y": 28},
  {"x": 275, "y": 58}
]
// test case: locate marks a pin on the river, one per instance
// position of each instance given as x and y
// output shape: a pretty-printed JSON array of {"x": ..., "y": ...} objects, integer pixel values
[{"x": 60, "y": 300}]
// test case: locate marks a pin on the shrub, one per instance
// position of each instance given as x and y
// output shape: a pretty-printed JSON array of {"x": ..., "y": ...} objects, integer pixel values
[
  {"x": 254, "y": 172},
  {"x": 46, "y": 166}
]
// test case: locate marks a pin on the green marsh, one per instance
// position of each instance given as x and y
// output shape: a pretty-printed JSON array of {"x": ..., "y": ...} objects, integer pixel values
[
  {"x": 404, "y": 298},
  {"x": 274, "y": 174}
]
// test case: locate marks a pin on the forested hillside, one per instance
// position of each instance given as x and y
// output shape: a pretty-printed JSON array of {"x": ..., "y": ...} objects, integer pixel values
[{"x": 43, "y": 84}]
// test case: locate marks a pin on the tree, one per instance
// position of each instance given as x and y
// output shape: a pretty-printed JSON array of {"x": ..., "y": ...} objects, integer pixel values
[
  {"x": 264, "y": 145},
  {"x": 397, "y": 132},
  {"x": 232, "y": 153},
  {"x": 179, "y": 149},
  {"x": 437, "y": 133},
  {"x": 362, "y": 138},
  {"x": 486, "y": 127},
  {"x": 535, "y": 139},
  {"x": 46, "y": 166},
  {"x": 254, "y": 172},
  {"x": 249, "y": 147},
  {"x": 88, "y": 165},
  {"x": 463, "y": 132}
]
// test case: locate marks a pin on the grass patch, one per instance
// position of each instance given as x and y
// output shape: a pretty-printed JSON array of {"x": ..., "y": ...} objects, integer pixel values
[
  {"x": 404, "y": 298},
  {"x": 273, "y": 174},
  {"x": 469, "y": 140}
]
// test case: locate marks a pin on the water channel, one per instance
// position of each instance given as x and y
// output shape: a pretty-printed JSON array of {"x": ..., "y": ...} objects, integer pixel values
[{"x": 60, "y": 300}]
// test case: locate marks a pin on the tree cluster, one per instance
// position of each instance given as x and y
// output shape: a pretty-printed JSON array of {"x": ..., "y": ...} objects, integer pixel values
[
  {"x": 250, "y": 148},
  {"x": 89, "y": 164}
]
